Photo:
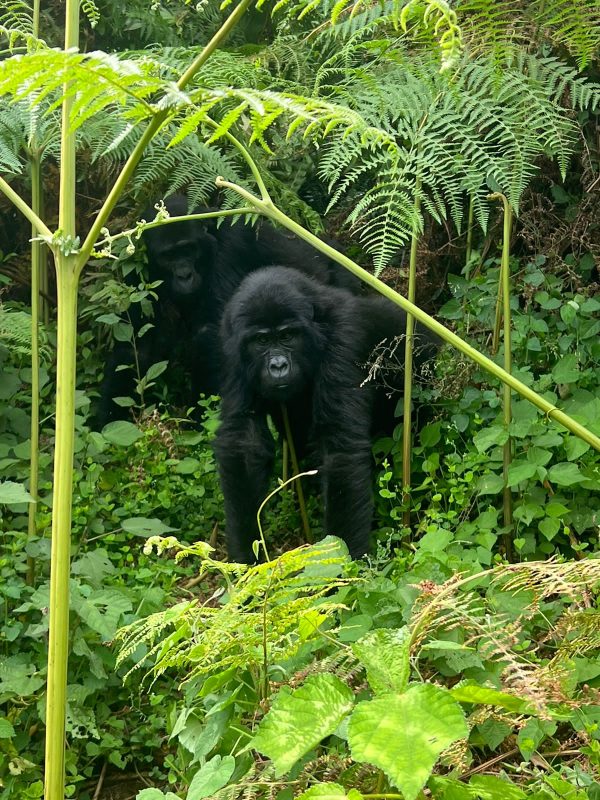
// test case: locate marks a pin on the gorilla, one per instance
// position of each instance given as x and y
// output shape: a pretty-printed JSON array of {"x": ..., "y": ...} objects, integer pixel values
[
  {"x": 287, "y": 339},
  {"x": 200, "y": 265}
]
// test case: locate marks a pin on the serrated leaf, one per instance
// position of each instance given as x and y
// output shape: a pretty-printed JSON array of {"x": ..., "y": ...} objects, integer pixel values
[
  {"x": 211, "y": 777},
  {"x": 404, "y": 734},
  {"x": 298, "y": 721},
  {"x": 329, "y": 791},
  {"x": 385, "y": 655}
]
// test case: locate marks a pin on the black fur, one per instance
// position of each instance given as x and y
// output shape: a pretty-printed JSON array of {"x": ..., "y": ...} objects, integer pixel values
[
  {"x": 288, "y": 339},
  {"x": 200, "y": 266}
]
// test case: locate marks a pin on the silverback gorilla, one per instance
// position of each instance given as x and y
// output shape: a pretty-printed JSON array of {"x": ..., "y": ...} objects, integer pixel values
[
  {"x": 287, "y": 339},
  {"x": 200, "y": 266}
]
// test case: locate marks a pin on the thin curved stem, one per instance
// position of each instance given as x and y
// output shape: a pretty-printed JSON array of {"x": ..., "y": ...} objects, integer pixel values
[
  {"x": 270, "y": 211},
  {"x": 266, "y": 500}
]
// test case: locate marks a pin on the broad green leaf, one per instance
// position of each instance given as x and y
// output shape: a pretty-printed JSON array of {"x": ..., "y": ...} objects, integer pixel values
[
  {"x": 549, "y": 527},
  {"x": 539, "y": 456},
  {"x": 11, "y": 492},
  {"x": 102, "y": 610},
  {"x": 490, "y": 484},
  {"x": 6, "y": 729},
  {"x": 520, "y": 471},
  {"x": 575, "y": 447},
  {"x": 488, "y": 437},
  {"x": 482, "y": 695},
  {"x": 565, "y": 474},
  {"x": 156, "y": 369},
  {"x": 445, "y": 644},
  {"x": 211, "y": 777},
  {"x": 556, "y": 509},
  {"x": 489, "y": 787},
  {"x": 404, "y": 734},
  {"x": 187, "y": 466},
  {"x": 123, "y": 331},
  {"x": 155, "y": 794},
  {"x": 121, "y": 432},
  {"x": 386, "y": 657},
  {"x": 329, "y": 791},
  {"x": 145, "y": 526},
  {"x": 299, "y": 720},
  {"x": 431, "y": 434},
  {"x": 532, "y": 734},
  {"x": 566, "y": 370}
]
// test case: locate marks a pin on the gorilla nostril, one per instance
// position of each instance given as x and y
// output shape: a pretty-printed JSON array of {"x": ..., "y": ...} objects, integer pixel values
[
  {"x": 279, "y": 366},
  {"x": 184, "y": 274}
]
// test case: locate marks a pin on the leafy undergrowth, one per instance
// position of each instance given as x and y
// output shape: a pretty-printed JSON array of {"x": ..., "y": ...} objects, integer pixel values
[
  {"x": 312, "y": 678},
  {"x": 438, "y": 669}
]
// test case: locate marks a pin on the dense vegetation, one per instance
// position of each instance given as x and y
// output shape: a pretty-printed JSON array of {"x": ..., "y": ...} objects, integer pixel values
[{"x": 462, "y": 660}]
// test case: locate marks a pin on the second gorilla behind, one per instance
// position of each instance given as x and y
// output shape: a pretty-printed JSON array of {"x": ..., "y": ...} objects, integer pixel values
[{"x": 200, "y": 266}]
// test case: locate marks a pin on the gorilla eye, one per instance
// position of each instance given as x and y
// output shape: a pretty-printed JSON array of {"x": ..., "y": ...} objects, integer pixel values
[{"x": 262, "y": 338}]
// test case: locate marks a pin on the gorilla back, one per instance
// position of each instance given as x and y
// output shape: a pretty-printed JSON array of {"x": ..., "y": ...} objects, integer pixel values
[{"x": 287, "y": 339}]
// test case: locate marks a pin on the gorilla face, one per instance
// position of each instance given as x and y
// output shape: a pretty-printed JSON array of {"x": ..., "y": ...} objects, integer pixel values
[
  {"x": 276, "y": 337},
  {"x": 179, "y": 253},
  {"x": 278, "y": 361}
]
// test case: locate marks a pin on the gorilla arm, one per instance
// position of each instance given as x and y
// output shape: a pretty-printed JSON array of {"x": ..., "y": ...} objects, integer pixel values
[{"x": 245, "y": 453}]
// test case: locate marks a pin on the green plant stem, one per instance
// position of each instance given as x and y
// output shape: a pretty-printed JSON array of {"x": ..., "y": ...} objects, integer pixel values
[
  {"x": 270, "y": 211},
  {"x": 153, "y": 127},
  {"x": 36, "y": 254},
  {"x": 408, "y": 364},
  {"x": 266, "y": 500},
  {"x": 384, "y": 796},
  {"x": 506, "y": 396},
  {"x": 299, "y": 491},
  {"x": 66, "y": 290},
  {"x": 469, "y": 236},
  {"x": 58, "y": 637}
]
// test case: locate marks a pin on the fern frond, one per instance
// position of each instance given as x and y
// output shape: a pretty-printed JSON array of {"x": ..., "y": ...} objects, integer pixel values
[
  {"x": 572, "y": 23},
  {"x": 491, "y": 25},
  {"x": 264, "y": 609},
  {"x": 16, "y": 15},
  {"x": 95, "y": 81},
  {"x": 90, "y": 9},
  {"x": 15, "y": 330}
]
